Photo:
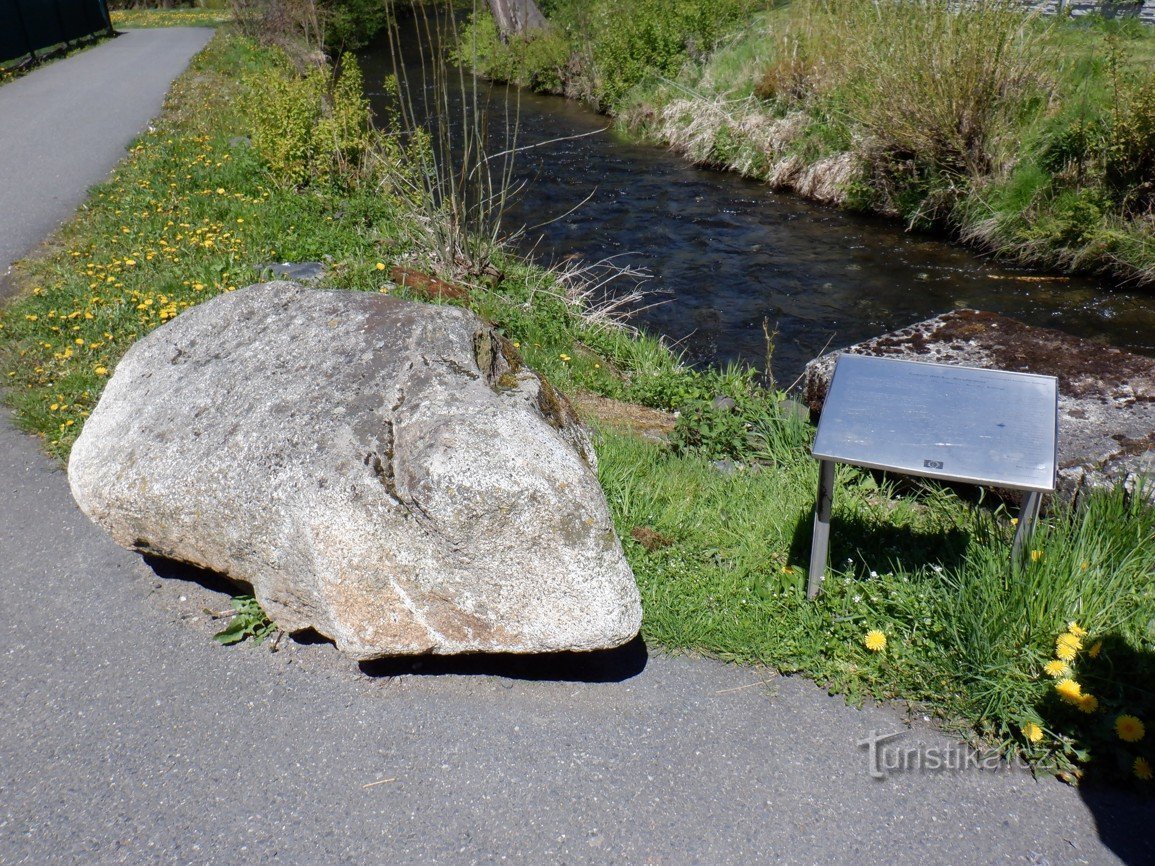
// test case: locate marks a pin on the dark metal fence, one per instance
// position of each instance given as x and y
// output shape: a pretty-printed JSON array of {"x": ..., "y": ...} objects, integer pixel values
[{"x": 28, "y": 26}]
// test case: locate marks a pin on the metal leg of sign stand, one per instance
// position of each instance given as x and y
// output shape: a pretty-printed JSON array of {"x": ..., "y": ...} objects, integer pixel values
[
  {"x": 821, "y": 539},
  {"x": 1027, "y": 517}
]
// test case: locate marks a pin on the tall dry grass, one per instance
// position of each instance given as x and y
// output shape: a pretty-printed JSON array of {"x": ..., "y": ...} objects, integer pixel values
[
  {"x": 462, "y": 138},
  {"x": 929, "y": 96},
  {"x": 923, "y": 79}
]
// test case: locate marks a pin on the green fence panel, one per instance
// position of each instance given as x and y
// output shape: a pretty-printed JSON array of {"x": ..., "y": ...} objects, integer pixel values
[
  {"x": 28, "y": 26},
  {"x": 12, "y": 40}
]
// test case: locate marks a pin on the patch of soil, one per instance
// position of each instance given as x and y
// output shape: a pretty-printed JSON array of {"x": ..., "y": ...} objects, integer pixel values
[
  {"x": 426, "y": 287},
  {"x": 650, "y": 538},
  {"x": 628, "y": 417}
]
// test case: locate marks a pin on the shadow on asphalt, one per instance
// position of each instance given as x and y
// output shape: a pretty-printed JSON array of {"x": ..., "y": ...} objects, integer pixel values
[
  {"x": 1123, "y": 805},
  {"x": 1124, "y": 821},
  {"x": 171, "y": 570},
  {"x": 606, "y": 666}
]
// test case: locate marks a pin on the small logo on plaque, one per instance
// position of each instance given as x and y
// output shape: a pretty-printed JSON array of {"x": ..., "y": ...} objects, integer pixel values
[{"x": 932, "y": 464}]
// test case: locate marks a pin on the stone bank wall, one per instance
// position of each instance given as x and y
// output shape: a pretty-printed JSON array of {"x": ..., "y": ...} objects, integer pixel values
[{"x": 1145, "y": 10}]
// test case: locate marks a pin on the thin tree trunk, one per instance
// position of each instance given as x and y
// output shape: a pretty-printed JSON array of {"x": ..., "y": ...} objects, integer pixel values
[{"x": 515, "y": 17}]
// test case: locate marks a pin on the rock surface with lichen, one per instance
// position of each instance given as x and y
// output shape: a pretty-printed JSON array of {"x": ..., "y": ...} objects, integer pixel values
[
  {"x": 1106, "y": 395},
  {"x": 384, "y": 472}
]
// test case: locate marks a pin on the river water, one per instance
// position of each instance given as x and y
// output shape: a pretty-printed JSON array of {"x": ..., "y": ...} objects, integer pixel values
[{"x": 725, "y": 254}]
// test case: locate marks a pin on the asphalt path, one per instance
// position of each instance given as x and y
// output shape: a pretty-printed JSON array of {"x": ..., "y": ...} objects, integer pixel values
[
  {"x": 128, "y": 736},
  {"x": 63, "y": 127}
]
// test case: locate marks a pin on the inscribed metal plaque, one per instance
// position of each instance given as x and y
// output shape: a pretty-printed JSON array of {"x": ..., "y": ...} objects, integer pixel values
[{"x": 955, "y": 423}]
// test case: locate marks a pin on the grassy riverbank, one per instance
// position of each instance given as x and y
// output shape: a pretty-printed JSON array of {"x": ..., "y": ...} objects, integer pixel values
[
  {"x": 1030, "y": 137},
  {"x": 254, "y": 161}
]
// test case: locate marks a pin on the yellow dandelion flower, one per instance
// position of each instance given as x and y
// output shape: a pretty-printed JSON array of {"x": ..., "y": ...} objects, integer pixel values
[
  {"x": 1067, "y": 646},
  {"x": 1129, "y": 729},
  {"x": 1036, "y": 555},
  {"x": 875, "y": 640},
  {"x": 101, "y": 371},
  {"x": 1069, "y": 690},
  {"x": 380, "y": 266},
  {"x": 1142, "y": 769},
  {"x": 1057, "y": 668},
  {"x": 1075, "y": 629},
  {"x": 1088, "y": 704},
  {"x": 1095, "y": 649},
  {"x": 1032, "y": 732},
  {"x": 564, "y": 356}
]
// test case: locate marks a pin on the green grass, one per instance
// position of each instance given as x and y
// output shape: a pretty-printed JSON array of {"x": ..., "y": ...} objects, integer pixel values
[
  {"x": 967, "y": 636},
  {"x": 184, "y": 217},
  {"x": 719, "y": 549},
  {"x": 177, "y": 17}
]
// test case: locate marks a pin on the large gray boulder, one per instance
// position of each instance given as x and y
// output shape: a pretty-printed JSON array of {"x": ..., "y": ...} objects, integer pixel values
[
  {"x": 1106, "y": 395},
  {"x": 385, "y": 472}
]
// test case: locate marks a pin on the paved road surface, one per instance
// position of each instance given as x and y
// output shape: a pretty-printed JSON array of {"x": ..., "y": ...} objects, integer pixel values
[
  {"x": 65, "y": 126},
  {"x": 128, "y": 736}
]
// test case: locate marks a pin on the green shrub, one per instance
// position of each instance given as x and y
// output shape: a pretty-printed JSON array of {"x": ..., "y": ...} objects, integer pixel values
[
  {"x": 313, "y": 129},
  {"x": 1071, "y": 219},
  {"x": 537, "y": 60},
  {"x": 302, "y": 25},
  {"x": 349, "y": 24},
  {"x": 604, "y": 48},
  {"x": 653, "y": 37},
  {"x": 1130, "y": 149}
]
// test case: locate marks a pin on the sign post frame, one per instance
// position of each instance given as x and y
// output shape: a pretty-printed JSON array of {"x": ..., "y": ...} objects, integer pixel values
[{"x": 963, "y": 424}]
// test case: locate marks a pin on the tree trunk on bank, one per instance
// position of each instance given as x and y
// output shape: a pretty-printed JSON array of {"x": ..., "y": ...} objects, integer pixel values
[{"x": 515, "y": 17}]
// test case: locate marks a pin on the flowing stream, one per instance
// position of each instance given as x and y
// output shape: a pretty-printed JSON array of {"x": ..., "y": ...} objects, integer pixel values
[{"x": 725, "y": 254}]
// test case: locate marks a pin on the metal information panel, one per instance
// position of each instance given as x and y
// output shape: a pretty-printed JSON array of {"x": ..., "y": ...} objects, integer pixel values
[{"x": 988, "y": 427}]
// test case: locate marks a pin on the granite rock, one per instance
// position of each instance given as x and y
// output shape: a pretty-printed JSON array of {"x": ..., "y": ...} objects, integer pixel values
[{"x": 385, "y": 472}]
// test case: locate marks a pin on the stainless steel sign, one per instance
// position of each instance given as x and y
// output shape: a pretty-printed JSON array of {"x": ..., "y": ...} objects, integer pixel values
[{"x": 990, "y": 427}]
